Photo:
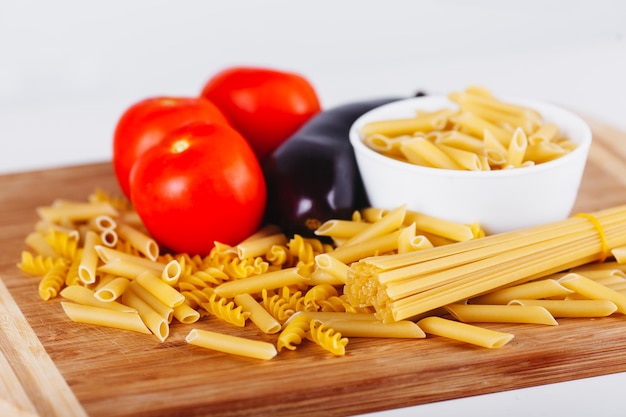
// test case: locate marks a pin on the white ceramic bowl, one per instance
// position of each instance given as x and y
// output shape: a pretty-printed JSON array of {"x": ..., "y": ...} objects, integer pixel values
[{"x": 499, "y": 200}]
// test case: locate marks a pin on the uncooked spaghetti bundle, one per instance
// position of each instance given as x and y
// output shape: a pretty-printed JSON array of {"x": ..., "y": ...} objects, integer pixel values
[{"x": 401, "y": 286}]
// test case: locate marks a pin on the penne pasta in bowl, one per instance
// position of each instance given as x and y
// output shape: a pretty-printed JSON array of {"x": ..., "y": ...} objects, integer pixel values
[{"x": 472, "y": 157}]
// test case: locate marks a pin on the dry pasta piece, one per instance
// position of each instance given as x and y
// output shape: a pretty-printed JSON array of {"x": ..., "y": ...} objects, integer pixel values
[
  {"x": 139, "y": 240},
  {"x": 318, "y": 293},
  {"x": 85, "y": 296},
  {"x": 509, "y": 313},
  {"x": 619, "y": 254},
  {"x": 464, "y": 332},
  {"x": 226, "y": 310},
  {"x": 293, "y": 333},
  {"x": 572, "y": 308},
  {"x": 112, "y": 290},
  {"x": 257, "y": 283},
  {"x": 327, "y": 263},
  {"x": 185, "y": 314},
  {"x": 259, "y": 246},
  {"x": 38, "y": 265},
  {"x": 153, "y": 320},
  {"x": 544, "y": 288},
  {"x": 385, "y": 225},
  {"x": 277, "y": 306},
  {"x": 38, "y": 243},
  {"x": 326, "y": 337},
  {"x": 258, "y": 315},
  {"x": 75, "y": 211},
  {"x": 338, "y": 228},
  {"x": 517, "y": 148},
  {"x": 89, "y": 259},
  {"x": 165, "y": 311},
  {"x": 160, "y": 289},
  {"x": 593, "y": 290},
  {"x": 105, "y": 317},
  {"x": 231, "y": 344},
  {"x": 403, "y": 329},
  {"x": 52, "y": 282}
]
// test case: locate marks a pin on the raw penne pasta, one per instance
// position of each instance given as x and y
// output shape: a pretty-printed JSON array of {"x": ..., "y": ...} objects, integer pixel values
[
  {"x": 170, "y": 296},
  {"x": 332, "y": 266},
  {"x": 385, "y": 225},
  {"x": 139, "y": 240},
  {"x": 465, "y": 159},
  {"x": 185, "y": 314},
  {"x": 423, "y": 152},
  {"x": 112, "y": 290},
  {"x": 231, "y": 344},
  {"x": 441, "y": 227},
  {"x": 104, "y": 317},
  {"x": 404, "y": 329},
  {"x": 484, "y": 313},
  {"x": 258, "y": 314},
  {"x": 85, "y": 296},
  {"x": 156, "y": 304},
  {"x": 619, "y": 254},
  {"x": 572, "y": 308},
  {"x": 102, "y": 223},
  {"x": 420, "y": 123},
  {"x": 374, "y": 246},
  {"x": 109, "y": 254},
  {"x": 37, "y": 242},
  {"x": 593, "y": 290},
  {"x": 75, "y": 211},
  {"x": 157, "y": 324},
  {"x": 337, "y": 228},
  {"x": 257, "y": 247},
  {"x": 459, "y": 140},
  {"x": 517, "y": 148},
  {"x": 256, "y": 283},
  {"x": 544, "y": 288},
  {"x": 89, "y": 260},
  {"x": 43, "y": 227},
  {"x": 545, "y": 133},
  {"x": 464, "y": 332}
]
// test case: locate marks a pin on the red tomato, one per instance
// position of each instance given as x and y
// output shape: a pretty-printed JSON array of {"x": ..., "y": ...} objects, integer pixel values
[
  {"x": 145, "y": 123},
  {"x": 200, "y": 184},
  {"x": 266, "y": 106}
]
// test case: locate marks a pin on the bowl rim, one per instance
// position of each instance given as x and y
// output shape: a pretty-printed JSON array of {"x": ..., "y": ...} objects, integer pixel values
[{"x": 359, "y": 146}]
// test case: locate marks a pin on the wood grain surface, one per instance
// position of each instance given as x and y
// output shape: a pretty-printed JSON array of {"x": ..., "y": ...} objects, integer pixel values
[{"x": 53, "y": 367}]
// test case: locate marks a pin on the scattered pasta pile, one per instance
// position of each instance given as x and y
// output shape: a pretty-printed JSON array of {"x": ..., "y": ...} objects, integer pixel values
[
  {"x": 110, "y": 272},
  {"x": 483, "y": 133}
]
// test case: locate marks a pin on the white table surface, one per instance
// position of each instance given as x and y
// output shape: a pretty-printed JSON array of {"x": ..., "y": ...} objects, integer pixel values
[{"x": 68, "y": 69}]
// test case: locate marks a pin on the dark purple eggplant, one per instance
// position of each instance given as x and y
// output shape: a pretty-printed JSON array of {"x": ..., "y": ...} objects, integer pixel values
[{"x": 313, "y": 177}]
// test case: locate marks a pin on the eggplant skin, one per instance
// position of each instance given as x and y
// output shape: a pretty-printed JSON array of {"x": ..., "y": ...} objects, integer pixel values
[{"x": 313, "y": 177}]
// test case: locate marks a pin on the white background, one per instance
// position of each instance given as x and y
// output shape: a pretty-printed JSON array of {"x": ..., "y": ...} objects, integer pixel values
[{"x": 68, "y": 69}]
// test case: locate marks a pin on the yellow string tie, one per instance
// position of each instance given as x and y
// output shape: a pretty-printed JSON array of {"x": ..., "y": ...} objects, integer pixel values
[{"x": 606, "y": 251}]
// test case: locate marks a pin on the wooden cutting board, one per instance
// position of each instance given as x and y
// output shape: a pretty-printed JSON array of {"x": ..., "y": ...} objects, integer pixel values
[{"x": 53, "y": 367}]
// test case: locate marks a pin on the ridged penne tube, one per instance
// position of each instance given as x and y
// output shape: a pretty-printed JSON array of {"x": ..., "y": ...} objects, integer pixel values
[
  {"x": 258, "y": 247},
  {"x": 371, "y": 214},
  {"x": 185, "y": 314},
  {"x": 494, "y": 104},
  {"x": 85, "y": 296},
  {"x": 124, "y": 268},
  {"x": 75, "y": 211},
  {"x": 420, "y": 151},
  {"x": 374, "y": 246},
  {"x": 591, "y": 289},
  {"x": 441, "y": 227},
  {"x": 139, "y": 240},
  {"x": 572, "y": 308},
  {"x": 109, "y": 237},
  {"x": 544, "y": 288},
  {"x": 160, "y": 289},
  {"x": 483, "y": 313},
  {"x": 256, "y": 283},
  {"x": 231, "y": 344},
  {"x": 105, "y": 317},
  {"x": 404, "y": 329},
  {"x": 156, "y": 304},
  {"x": 153, "y": 320},
  {"x": 258, "y": 315},
  {"x": 385, "y": 225},
  {"x": 333, "y": 266},
  {"x": 112, "y": 290},
  {"x": 172, "y": 272},
  {"x": 89, "y": 260},
  {"x": 420, "y": 123},
  {"x": 319, "y": 276},
  {"x": 464, "y": 332},
  {"x": 334, "y": 315},
  {"x": 337, "y": 228}
]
